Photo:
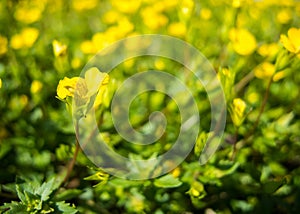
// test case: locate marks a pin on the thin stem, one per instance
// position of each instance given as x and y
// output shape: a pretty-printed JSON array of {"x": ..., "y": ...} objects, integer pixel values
[
  {"x": 263, "y": 105},
  {"x": 234, "y": 143},
  {"x": 72, "y": 162},
  {"x": 261, "y": 110}
]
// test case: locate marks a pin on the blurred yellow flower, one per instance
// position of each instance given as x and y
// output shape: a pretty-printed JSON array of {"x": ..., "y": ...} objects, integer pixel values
[
  {"x": 243, "y": 42},
  {"x": 36, "y": 86},
  {"x": 25, "y": 39},
  {"x": 0, "y": 83},
  {"x": 264, "y": 70},
  {"x": 80, "y": 5},
  {"x": 187, "y": 7},
  {"x": 177, "y": 29},
  {"x": 268, "y": 50},
  {"x": 238, "y": 109},
  {"x": 153, "y": 19},
  {"x": 59, "y": 49},
  {"x": 111, "y": 17},
  {"x": 292, "y": 41},
  {"x": 124, "y": 27},
  {"x": 205, "y": 13},
  {"x": 28, "y": 15},
  {"x": 75, "y": 63},
  {"x": 3, "y": 45},
  {"x": 279, "y": 75},
  {"x": 66, "y": 87},
  {"x": 284, "y": 16},
  {"x": 253, "y": 97},
  {"x": 126, "y": 6},
  {"x": 88, "y": 47}
]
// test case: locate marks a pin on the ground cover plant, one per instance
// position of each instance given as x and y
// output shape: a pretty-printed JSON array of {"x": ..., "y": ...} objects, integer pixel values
[{"x": 254, "y": 49}]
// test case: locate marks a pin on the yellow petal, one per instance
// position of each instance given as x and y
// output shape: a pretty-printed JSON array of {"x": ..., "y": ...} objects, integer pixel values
[
  {"x": 287, "y": 43},
  {"x": 66, "y": 87},
  {"x": 95, "y": 79},
  {"x": 294, "y": 36},
  {"x": 264, "y": 70}
]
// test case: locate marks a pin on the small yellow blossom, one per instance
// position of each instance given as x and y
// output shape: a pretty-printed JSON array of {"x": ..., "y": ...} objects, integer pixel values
[
  {"x": 94, "y": 82},
  {"x": 36, "y": 86},
  {"x": 0, "y": 83},
  {"x": 159, "y": 64},
  {"x": 253, "y": 97},
  {"x": 264, "y": 70},
  {"x": 66, "y": 87},
  {"x": 243, "y": 42},
  {"x": 238, "y": 110},
  {"x": 205, "y": 13},
  {"x": 111, "y": 17},
  {"x": 59, "y": 49},
  {"x": 176, "y": 172},
  {"x": 88, "y": 47},
  {"x": 75, "y": 63},
  {"x": 126, "y": 6},
  {"x": 28, "y": 15},
  {"x": 187, "y": 7},
  {"x": 3, "y": 45},
  {"x": 284, "y": 16},
  {"x": 177, "y": 29},
  {"x": 279, "y": 75},
  {"x": 25, "y": 39},
  {"x": 268, "y": 50},
  {"x": 153, "y": 19},
  {"x": 292, "y": 41},
  {"x": 80, "y": 5}
]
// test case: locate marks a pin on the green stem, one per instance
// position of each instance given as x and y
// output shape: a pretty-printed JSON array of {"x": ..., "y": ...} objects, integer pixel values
[{"x": 72, "y": 162}]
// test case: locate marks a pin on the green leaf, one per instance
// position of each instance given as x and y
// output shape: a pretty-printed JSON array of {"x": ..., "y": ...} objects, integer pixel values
[
  {"x": 167, "y": 181},
  {"x": 13, "y": 208},
  {"x": 67, "y": 194},
  {"x": 65, "y": 207},
  {"x": 271, "y": 186}
]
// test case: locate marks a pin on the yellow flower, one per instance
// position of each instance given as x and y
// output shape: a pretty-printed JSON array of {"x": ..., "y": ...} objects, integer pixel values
[
  {"x": 292, "y": 41},
  {"x": 28, "y": 15},
  {"x": 237, "y": 112},
  {"x": 59, "y": 49},
  {"x": 75, "y": 63},
  {"x": 284, "y": 16},
  {"x": 153, "y": 19},
  {"x": 264, "y": 70},
  {"x": 80, "y": 5},
  {"x": 177, "y": 29},
  {"x": 36, "y": 86},
  {"x": 0, "y": 83},
  {"x": 25, "y": 39},
  {"x": 66, "y": 87},
  {"x": 88, "y": 47},
  {"x": 126, "y": 6},
  {"x": 94, "y": 82},
  {"x": 3, "y": 45},
  {"x": 111, "y": 17},
  {"x": 243, "y": 42},
  {"x": 97, "y": 83},
  {"x": 205, "y": 13},
  {"x": 268, "y": 50}
]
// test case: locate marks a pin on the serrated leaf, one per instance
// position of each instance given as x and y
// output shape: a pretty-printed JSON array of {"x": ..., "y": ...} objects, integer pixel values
[
  {"x": 65, "y": 207},
  {"x": 167, "y": 181},
  {"x": 14, "y": 207},
  {"x": 46, "y": 189}
]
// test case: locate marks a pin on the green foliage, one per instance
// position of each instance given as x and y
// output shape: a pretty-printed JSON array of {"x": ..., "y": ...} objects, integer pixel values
[
  {"x": 37, "y": 198},
  {"x": 256, "y": 169}
]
